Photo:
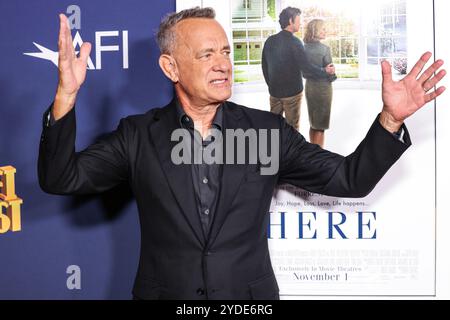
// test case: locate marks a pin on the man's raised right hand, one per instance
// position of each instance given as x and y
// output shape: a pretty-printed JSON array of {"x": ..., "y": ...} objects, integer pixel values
[{"x": 72, "y": 70}]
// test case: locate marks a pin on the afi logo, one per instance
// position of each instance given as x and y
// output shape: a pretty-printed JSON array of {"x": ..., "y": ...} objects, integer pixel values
[
  {"x": 74, "y": 17},
  {"x": 9, "y": 202}
]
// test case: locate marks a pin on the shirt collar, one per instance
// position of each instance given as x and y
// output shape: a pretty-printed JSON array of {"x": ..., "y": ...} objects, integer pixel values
[{"x": 184, "y": 120}]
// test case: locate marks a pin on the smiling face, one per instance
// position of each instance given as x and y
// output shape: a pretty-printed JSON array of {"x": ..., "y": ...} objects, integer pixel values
[{"x": 203, "y": 65}]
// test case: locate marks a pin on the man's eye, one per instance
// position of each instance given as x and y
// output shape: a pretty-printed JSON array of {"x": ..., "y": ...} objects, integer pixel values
[{"x": 227, "y": 53}]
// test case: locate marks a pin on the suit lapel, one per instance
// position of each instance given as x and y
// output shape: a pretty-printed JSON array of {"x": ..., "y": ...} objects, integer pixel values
[
  {"x": 232, "y": 174},
  {"x": 178, "y": 176}
]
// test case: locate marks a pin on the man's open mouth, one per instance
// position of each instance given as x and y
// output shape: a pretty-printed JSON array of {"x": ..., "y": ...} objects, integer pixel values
[{"x": 219, "y": 81}]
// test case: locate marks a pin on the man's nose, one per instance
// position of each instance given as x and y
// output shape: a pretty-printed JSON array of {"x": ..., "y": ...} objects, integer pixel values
[{"x": 222, "y": 63}]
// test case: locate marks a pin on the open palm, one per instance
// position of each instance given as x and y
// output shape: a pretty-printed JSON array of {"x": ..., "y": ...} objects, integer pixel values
[
  {"x": 402, "y": 98},
  {"x": 72, "y": 70}
]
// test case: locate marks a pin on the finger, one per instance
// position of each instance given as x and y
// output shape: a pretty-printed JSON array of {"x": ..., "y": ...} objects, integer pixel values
[
  {"x": 67, "y": 36},
  {"x": 61, "y": 36},
  {"x": 85, "y": 50},
  {"x": 431, "y": 83},
  {"x": 430, "y": 71},
  {"x": 70, "y": 46},
  {"x": 433, "y": 95},
  {"x": 386, "y": 71},
  {"x": 62, "y": 40},
  {"x": 417, "y": 69}
]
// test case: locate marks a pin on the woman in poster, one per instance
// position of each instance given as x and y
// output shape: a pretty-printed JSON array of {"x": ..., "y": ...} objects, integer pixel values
[{"x": 319, "y": 92}]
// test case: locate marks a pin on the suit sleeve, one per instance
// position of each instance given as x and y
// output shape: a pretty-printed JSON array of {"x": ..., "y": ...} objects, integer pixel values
[
  {"x": 327, "y": 57},
  {"x": 311, "y": 168},
  {"x": 98, "y": 168},
  {"x": 265, "y": 67}
]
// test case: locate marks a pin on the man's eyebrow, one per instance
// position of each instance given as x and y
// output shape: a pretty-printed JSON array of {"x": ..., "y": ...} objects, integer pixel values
[{"x": 208, "y": 50}]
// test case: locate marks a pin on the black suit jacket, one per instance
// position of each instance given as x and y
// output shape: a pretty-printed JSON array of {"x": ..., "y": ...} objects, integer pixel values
[{"x": 177, "y": 260}]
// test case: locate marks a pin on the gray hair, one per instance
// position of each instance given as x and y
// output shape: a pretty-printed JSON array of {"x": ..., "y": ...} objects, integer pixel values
[{"x": 166, "y": 33}]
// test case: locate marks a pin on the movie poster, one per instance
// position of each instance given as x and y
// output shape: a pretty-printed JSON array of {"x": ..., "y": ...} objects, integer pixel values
[{"x": 380, "y": 245}]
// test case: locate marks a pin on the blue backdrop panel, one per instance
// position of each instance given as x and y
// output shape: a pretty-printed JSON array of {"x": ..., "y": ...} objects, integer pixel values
[{"x": 100, "y": 234}]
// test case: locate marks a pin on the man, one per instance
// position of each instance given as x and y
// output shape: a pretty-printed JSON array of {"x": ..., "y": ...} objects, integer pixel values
[
  {"x": 204, "y": 228},
  {"x": 283, "y": 60}
]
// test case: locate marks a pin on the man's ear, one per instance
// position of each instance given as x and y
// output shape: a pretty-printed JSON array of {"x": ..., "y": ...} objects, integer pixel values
[{"x": 169, "y": 67}]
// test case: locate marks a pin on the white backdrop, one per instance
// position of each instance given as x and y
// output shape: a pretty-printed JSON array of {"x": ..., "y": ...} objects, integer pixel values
[{"x": 443, "y": 156}]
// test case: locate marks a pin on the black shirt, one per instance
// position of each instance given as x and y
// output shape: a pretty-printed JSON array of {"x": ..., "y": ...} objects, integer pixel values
[
  {"x": 283, "y": 60},
  {"x": 206, "y": 178}
]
